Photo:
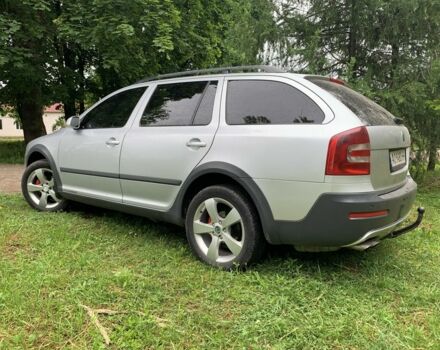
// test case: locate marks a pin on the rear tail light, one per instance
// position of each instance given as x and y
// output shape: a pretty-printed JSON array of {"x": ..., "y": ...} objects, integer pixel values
[{"x": 349, "y": 153}]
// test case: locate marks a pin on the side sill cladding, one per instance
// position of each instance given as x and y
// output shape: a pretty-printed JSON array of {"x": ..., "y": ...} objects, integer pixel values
[
  {"x": 45, "y": 152},
  {"x": 239, "y": 176}
]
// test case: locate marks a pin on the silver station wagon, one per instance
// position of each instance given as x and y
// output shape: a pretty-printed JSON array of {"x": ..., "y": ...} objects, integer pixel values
[{"x": 240, "y": 156}]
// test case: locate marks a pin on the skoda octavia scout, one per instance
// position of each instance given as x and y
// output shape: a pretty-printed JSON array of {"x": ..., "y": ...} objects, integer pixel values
[{"x": 240, "y": 156}]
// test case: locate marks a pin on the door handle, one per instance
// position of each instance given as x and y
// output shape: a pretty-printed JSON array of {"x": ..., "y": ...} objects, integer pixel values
[
  {"x": 196, "y": 143},
  {"x": 112, "y": 142}
]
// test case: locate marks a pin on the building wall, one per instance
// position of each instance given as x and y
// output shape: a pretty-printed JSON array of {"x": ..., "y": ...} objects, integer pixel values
[{"x": 10, "y": 130}]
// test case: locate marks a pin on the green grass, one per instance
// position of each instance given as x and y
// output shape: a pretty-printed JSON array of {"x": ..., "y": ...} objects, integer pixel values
[
  {"x": 12, "y": 150},
  {"x": 50, "y": 263}
]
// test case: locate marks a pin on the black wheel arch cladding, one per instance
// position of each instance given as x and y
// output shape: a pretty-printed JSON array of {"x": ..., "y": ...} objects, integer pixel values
[
  {"x": 240, "y": 177},
  {"x": 47, "y": 155}
]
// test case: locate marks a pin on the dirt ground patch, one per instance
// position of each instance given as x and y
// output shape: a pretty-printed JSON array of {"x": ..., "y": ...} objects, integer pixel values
[
  {"x": 13, "y": 245},
  {"x": 10, "y": 177}
]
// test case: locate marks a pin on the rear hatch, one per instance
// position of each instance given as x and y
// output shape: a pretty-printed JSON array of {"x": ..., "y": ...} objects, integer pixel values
[{"x": 389, "y": 140}]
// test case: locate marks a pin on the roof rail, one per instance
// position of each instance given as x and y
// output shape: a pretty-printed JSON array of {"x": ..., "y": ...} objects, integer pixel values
[{"x": 219, "y": 70}]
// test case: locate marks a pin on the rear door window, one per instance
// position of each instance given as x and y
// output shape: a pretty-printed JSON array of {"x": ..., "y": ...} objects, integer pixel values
[
  {"x": 180, "y": 104},
  {"x": 366, "y": 110},
  {"x": 269, "y": 102}
]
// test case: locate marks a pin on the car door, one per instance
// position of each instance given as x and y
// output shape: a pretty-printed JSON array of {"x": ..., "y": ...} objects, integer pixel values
[
  {"x": 89, "y": 156},
  {"x": 168, "y": 139}
]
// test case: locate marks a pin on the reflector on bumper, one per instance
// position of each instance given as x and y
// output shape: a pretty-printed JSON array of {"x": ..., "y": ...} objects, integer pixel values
[{"x": 368, "y": 214}]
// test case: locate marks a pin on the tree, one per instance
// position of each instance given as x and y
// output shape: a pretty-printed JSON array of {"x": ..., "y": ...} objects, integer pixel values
[
  {"x": 104, "y": 45},
  {"x": 79, "y": 50},
  {"x": 112, "y": 43},
  {"x": 125, "y": 43},
  {"x": 25, "y": 50}
]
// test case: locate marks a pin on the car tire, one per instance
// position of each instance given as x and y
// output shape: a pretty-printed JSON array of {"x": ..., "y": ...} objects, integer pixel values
[
  {"x": 223, "y": 228},
  {"x": 38, "y": 187}
]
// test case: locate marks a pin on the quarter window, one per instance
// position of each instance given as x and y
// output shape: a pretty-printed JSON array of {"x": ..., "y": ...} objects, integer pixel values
[
  {"x": 114, "y": 111},
  {"x": 269, "y": 102},
  {"x": 204, "y": 112},
  {"x": 180, "y": 104}
]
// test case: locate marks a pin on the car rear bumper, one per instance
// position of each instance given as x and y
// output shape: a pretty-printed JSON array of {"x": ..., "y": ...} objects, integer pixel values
[
  {"x": 328, "y": 223},
  {"x": 373, "y": 237}
]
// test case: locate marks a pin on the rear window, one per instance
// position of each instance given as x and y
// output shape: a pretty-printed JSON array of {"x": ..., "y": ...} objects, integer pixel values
[{"x": 366, "y": 110}]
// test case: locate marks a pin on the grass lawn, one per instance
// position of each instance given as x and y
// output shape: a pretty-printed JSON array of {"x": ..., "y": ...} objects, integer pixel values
[
  {"x": 51, "y": 264},
  {"x": 12, "y": 150}
]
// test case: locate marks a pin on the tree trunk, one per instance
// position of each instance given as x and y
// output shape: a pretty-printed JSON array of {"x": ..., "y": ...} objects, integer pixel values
[
  {"x": 69, "y": 108},
  {"x": 66, "y": 66},
  {"x": 352, "y": 37},
  {"x": 30, "y": 112},
  {"x": 394, "y": 62},
  {"x": 68, "y": 80},
  {"x": 82, "y": 79},
  {"x": 432, "y": 156}
]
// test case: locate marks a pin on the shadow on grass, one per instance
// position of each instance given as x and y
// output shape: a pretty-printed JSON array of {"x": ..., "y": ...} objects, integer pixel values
[
  {"x": 318, "y": 262},
  {"x": 281, "y": 259},
  {"x": 116, "y": 218}
]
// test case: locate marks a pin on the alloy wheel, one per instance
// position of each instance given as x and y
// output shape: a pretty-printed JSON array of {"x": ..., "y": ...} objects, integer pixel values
[
  {"x": 218, "y": 230},
  {"x": 40, "y": 186}
]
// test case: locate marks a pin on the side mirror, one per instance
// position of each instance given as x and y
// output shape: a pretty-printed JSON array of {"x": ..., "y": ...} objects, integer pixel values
[{"x": 73, "y": 122}]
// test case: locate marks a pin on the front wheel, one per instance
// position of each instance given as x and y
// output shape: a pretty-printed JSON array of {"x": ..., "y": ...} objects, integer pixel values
[
  {"x": 38, "y": 187},
  {"x": 223, "y": 229}
]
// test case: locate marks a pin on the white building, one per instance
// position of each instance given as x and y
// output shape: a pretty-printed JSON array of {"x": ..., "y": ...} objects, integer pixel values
[{"x": 9, "y": 127}]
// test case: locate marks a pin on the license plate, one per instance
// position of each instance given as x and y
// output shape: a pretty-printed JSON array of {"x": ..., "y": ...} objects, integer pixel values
[{"x": 397, "y": 159}]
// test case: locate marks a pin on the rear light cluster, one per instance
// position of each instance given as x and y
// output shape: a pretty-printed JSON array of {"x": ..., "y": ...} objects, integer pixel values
[{"x": 349, "y": 153}]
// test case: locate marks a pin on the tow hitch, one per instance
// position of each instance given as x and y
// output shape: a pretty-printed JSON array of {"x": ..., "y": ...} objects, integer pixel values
[{"x": 403, "y": 230}]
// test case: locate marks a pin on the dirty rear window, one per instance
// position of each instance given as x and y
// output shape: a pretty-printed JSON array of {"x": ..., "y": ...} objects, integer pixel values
[{"x": 366, "y": 110}]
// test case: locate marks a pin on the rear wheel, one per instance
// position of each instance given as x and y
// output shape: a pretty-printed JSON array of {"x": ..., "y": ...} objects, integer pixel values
[
  {"x": 38, "y": 187},
  {"x": 223, "y": 229}
]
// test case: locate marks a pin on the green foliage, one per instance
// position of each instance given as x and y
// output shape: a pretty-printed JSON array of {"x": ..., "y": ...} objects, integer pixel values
[
  {"x": 250, "y": 24},
  {"x": 12, "y": 150},
  {"x": 8, "y": 111},
  {"x": 59, "y": 123},
  {"x": 78, "y": 51},
  {"x": 125, "y": 42},
  {"x": 26, "y": 61},
  {"x": 25, "y": 49}
]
